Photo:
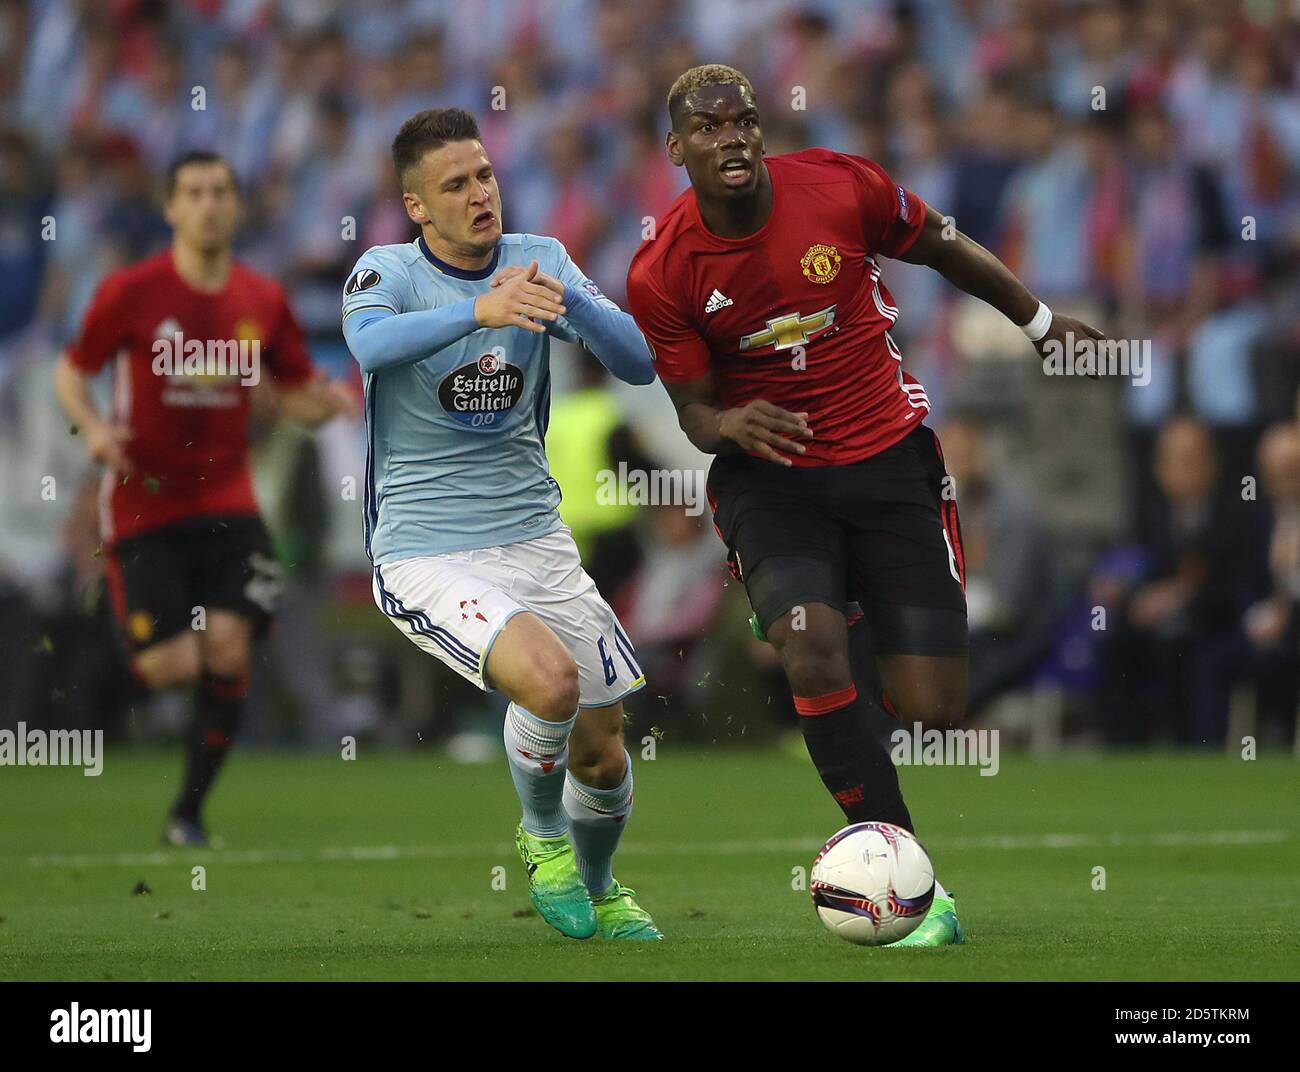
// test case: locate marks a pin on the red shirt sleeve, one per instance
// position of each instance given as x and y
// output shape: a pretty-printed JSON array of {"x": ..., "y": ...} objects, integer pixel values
[
  {"x": 104, "y": 327},
  {"x": 289, "y": 358},
  {"x": 679, "y": 353},
  {"x": 892, "y": 216}
]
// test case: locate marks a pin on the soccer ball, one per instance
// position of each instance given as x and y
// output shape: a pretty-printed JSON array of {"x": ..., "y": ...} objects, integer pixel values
[{"x": 872, "y": 883}]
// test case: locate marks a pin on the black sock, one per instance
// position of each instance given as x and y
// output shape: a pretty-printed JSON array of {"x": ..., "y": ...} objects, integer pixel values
[
  {"x": 217, "y": 716},
  {"x": 854, "y": 766}
]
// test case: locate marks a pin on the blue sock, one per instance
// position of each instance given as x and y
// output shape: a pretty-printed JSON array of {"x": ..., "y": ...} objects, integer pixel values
[
  {"x": 596, "y": 821},
  {"x": 539, "y": 754}
]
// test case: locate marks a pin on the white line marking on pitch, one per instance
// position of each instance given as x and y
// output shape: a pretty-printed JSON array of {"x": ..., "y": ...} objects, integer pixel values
[{"x": 1011, "y": 842}]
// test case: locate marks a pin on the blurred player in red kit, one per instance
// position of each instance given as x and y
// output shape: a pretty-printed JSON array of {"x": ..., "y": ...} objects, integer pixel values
[
  {"x": 762, "y": 298},
  {"x": 190, "y": 331}
]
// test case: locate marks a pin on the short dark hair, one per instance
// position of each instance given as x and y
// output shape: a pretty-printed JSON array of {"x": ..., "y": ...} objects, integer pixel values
[
  {"x": 430, "y": 129},
  {"x": 196, "y": 156}
]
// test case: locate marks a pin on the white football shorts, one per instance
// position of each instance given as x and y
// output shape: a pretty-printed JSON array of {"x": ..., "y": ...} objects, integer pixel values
[{"x": 455, "y": 605}]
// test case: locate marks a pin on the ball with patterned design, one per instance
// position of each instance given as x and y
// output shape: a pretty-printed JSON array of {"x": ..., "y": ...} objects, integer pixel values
[{"x": 872, "y": 883}]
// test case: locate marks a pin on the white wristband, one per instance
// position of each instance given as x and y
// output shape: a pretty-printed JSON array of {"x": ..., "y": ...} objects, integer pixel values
[{"x": 1037, "y": 328}]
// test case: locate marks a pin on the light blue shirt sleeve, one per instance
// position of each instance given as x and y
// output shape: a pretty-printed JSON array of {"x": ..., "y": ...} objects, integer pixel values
[
  {"x": 378, "y": 281},
  {"x": 379, "y": 329},
  {"x": 607, "y": 331}
]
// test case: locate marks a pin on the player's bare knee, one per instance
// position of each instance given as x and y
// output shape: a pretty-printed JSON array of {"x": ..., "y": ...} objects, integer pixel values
[
  {"x": 933, "y": 704},
  {"x": 553, "y": 691},
  {"x": 163, "y": 674},
  {"x": 226, "y": 660},
  {"x": 814, "y": 652},
  {"x": 178, "y": 665},
  {"x": 812, "y": 674},
  {"x": 815, "y": 663},
  {"x": 225, "y": 646},
  {"x": 598, "y": 758},
  {"x": 605, "y": 771},
  {"x": 609, "y": 771}
]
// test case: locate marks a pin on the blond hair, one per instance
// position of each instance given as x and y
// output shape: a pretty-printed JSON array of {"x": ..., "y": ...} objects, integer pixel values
[{"x": 707, "y": 74}]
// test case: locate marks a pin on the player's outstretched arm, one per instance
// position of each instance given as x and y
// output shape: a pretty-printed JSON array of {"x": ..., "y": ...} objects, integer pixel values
[
  {"x": 380, "y": 338},
  {"x": 971, "y": 268},
  {"x": 610, "y": 334}
]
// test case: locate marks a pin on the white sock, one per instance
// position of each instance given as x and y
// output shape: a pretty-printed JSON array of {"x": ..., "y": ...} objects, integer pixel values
[
  {"x": 596, "y": 821},
  {"x": 939, "y": 891},
  {"x": 538, "y": 751}
]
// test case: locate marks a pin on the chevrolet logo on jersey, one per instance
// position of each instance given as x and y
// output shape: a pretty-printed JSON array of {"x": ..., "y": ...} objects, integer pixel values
[{"x": 783, "y": 332}]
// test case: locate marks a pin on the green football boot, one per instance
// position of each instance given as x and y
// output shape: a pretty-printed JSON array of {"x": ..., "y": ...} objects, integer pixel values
[
  {"x": 622, "y": 919},
  {"x": 554, "y": 885},
  {"x": 940, "y": 926}
]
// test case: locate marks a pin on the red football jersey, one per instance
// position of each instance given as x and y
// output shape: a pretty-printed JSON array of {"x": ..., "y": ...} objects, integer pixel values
[
  {"x": 795, "y": 314},
  {"x": 189, "y": 427}
]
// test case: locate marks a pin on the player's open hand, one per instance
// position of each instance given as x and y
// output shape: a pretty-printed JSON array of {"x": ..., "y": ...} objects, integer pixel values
[
  {"x": 1065, "y": 336},
  {"x": 511, "y": 270},
  {"x": 106, "y": 444},
  {"x": 766, "y": 430},
  {"x": 520, "y": 302}
]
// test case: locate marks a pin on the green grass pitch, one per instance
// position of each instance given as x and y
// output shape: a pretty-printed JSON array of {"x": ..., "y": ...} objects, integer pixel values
[{"x": 383, "y": 868}]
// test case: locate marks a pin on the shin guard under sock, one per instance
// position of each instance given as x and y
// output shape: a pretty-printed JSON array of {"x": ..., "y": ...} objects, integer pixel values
[{"x": 854, "y": 766}]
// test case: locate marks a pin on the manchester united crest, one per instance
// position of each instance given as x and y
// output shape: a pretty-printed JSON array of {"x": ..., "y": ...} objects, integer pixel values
[{"x": 821, "y": 263}]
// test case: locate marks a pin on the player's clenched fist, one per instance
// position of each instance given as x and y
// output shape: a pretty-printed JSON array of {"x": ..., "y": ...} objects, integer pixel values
[
  {"x": 105, "y": 443},
  {"x": 519, "y": 300},
  {"x": 764, "y": 429}
]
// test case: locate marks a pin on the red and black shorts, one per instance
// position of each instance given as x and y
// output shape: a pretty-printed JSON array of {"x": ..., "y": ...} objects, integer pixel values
[
  {"x": 882, "y": 532},
  {"x": 157, "y": 578}
]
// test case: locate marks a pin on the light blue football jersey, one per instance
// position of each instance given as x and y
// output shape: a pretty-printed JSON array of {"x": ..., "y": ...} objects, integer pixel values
[{"x": 455, "y": 455}]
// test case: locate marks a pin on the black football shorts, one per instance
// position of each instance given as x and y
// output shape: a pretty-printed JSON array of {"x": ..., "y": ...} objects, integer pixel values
[
  {"x": 158, "y": 577},
  {"x": 882, "y": 532}
]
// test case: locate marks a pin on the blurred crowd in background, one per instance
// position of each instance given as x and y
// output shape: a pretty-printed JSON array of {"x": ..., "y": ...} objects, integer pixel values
[{"x": 1133, "y": 550}]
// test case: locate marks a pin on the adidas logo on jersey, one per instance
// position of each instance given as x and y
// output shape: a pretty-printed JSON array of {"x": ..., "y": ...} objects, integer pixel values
[{"x": 717, "y": 300}]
